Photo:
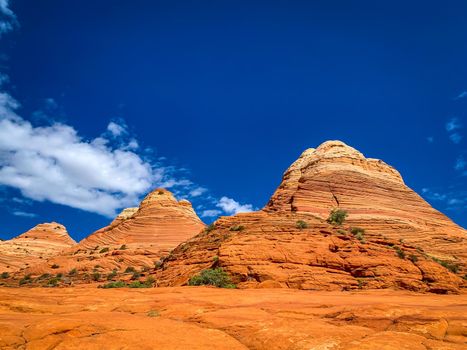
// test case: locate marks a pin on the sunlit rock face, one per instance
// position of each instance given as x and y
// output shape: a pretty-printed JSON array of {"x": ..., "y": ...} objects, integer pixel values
[
  {"x": 136, "y": 238},
  {"x": 30, "y": 248},
  {"x": 402, "y": 234}
]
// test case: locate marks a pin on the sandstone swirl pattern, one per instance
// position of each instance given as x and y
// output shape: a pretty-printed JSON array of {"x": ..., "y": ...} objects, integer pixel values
[
  {"x": 136, "y": 238},
  {"x": 266, "y": 248},
  {"x": 33, "y": 246}
]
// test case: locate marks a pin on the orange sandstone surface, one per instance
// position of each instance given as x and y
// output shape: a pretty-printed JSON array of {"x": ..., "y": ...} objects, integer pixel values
[
  {"x": 33, "y": 246},
  {"x": 406, "y": 244},
  {"x": 208, "y": 318},
  {"x": 136, "y": 238}
]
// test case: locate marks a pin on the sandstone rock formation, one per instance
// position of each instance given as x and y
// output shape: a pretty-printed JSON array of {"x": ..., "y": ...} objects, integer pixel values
[
  {"x": 136, "y": 239},
  {"x": 211, "y": 318},
  {"x": 30, "y": 248},
  {"x": 405, "y": 243}
]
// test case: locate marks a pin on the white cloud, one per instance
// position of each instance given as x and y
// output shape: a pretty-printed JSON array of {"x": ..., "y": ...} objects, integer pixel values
[
  {"x": 210, "y": 213},
  {"x": 230, "y": 206},
  {"x": 198, "y": 191},
  {"x": 460, "y": 163},
  {"x": 7, "y": 17},
  {"x": 54, "y": 163},
  {"x": 116, "y": 129},
  {"x": 456, "y": 137},
  {"x": 24, "y": 214}
]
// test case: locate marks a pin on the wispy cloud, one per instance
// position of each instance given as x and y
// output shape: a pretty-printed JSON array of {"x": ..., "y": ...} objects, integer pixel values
[
  {"x": 463, "y": 94},
  {"x": 7, "y": 18},
  {"x": 455, "y": 137},
  {"x": 460, "y": 163},
  {"x": 116, "y": 129},
  {"x": 430, "y": 139},
  {"x": 198, "y": 191},
  {"x": 24, "y": 214},
  {"x": 453, "y": 124},
  {"x": 453, "y": 198},
  {"x": 210, "y": 213}
]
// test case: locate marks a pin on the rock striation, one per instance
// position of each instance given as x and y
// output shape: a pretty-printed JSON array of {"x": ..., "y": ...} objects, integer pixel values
[
  {"x": 39, "y": 243},
  {"x": 133, "y": 241},
  {"x": 392, "y": 238}
]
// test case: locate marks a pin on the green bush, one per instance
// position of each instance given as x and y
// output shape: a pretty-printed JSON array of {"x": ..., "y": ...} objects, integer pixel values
[
  {"x": 360, "y": 236},
  {"x": 135, "y": 275},
  {"x": 53, "y": 282},
  {"x": 123, "y": 247},
  {"x": 300, "y": 224},
  {"x": 118, "y": 284},
  {"x": 73, "y": 272},
  {"x": 55, "y": 266},
  {"x": 357, "y": 230},
  {"x": 215, "y": 258},
  {"x": 4, "y": 275},
  {"x": 96, "y": 276},
  {"x": 237, "y": 228},
  {"x": 146, "y": 284},
  {"x": 214, "y": 277},
  {"x": 400, "y": 253},
  {"x": 130, "y": 269},
  {"x": 25, "y": 279},
  {"x": 44, "y": 276},
  {"x": 337, "y": 216},
  {"x": 111, "y": 275},
  {"x": 158, "y": 264},
  {"x": 210, "y": 228},
  {"x": 454, "y": 268},
  {"x": 104, "y": 250},
  {"x": 413, "y": 258}
]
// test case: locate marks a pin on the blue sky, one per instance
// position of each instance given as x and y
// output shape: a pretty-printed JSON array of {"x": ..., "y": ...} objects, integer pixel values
[{"x": 100, "y": 102}]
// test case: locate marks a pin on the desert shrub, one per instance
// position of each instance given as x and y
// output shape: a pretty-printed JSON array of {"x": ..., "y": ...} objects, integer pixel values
[
  {"x": 59, "y": 275},
  {"x": 210, "y": 228},
  {"x": 360, "y": 236},
  {"x": 117, "y": 284},
  {"x": 357, "y": 230},
  {"x": 237, "y": 228},
  {"x": 158, "y": 264},
  {"x": 337, "y": 216},
  {"x": 96, "y": 276},
  {"x": 25, "y": 279},
  {"x": 214, "y": 277},
  {"x": 4, "y": 275},
  {"x": 130, "y": 269},
  {"x": 413, "y": 258},
  {"x": 215, "y": 258},
  {"x": 123, "y": 247},
  {"x": 153, "y": 313},
  {"x": 55, "y": 266},
  {"x": 454, "y": 268},
  {"x": 138, "y": 284},
  {"x": 135, "y": 275},
  {"x": 104, "y": 250},
  {"x": 44, "y": 276},
  {"x": 111, "y": 275},
  {"x": 300, "y": 224},
  {"x": 400, "y": 253},
  {"x": 53, "y": 282},
  {"x": 73, "y": 272}
]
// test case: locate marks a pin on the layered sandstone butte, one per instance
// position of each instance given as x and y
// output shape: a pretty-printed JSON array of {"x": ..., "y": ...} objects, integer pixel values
[
  {"x": 39, "y": 243},
  {"x": 136, "y": 239},
  {"x": 406, "y": 243}
]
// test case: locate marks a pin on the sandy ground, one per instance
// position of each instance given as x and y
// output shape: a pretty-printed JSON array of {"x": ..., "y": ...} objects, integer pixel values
[{"x": 209, "y": 318}]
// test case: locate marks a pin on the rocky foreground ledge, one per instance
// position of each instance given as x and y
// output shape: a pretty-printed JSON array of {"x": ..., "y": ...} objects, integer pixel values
[{"x": 209, "y": 318}]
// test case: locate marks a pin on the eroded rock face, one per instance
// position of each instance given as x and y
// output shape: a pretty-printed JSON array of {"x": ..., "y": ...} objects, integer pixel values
[
  {"x": 212, "y": 318},
  {"x": 137, "y": 238},
  {"x": 39, "y": 243},
  {"x": 402, "y": 233}
]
